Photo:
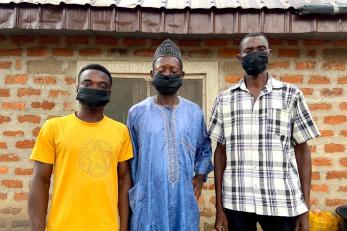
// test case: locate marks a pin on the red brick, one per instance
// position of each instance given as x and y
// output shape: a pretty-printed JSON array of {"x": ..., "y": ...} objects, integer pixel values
[
  {"x": 4, "y": 92},
  {"x": 343, "y": 162},
  {"x": 109, "y": 41},
  {"x": 45, "y": 80},
  {"x": 303, "y": 65},
  {"x": 22, "y": 39},
  {"x": 332, "y": 148},
  {"x": 48, "y": 39},
  {"x": 276, "y": 42},
  {"x": 312, "y": 53},
  {"x": 314, "y": 201},
  {"x": 8, "y": 158},
  {"x": 62, "y": 52},
  {"x": 216, "y": 42},
  {"x": 326, "y": 133},
  {"x": 279, "y": 64},
  {"x": 11, "y": 52},
  {"x": 18, "y": 64},
  {"x": 28, "y": 92},
  {"x": 343, "y": 106},
  {"x": 13, "y": 106},
  {"x": 320, "y": 187},
  {"x": 144, "y": 52},
  {"x": 332, "y": 92},
  {"x": 13, "y": 133},
  {"x": 5, "y": 64},
  {"x": 156, "y": 42},
  {"x": 342, "y": 189},
  {"x": 23, "y": 171},
  {"x": 337, "y": 119},
  {"x": 12, "y": 183},
  {"x": 342, "y": 80},
  {"x": 52, "y": 117},
  {"x": 204, "y": 53},
  {"x": 315, "y": 42},
  {"x": 290, "y": 53},
  {"x": 37, "y": 51},
  {"x": 4, "y": 119},
  {"x": 3, "y": 170},
  {"x": 188, "y": 43},
  {"x": 36, "y": 131},
  {"x": 232, "y": 78},
  {"x": 335, "y": 202},
  {"x": 320, "y": 106},
  {"x": 340, "y": 42},
  {"x": 90, "y": 52},
  {"x": 295, "y": 79},
  {"x": 334, "y": 65},
  {"x": 206, "y": 212},
  {"x": 69, "y": 80},
  {"x": 29, "y": 118},
  {"x": 313, "y": 148},
  {"x": 25, "y": 144},
  {"x": 321, "y": 161},
  {"x": 16, "y": 79},
  {"x": 45, "y": 105},
  {"x": 228, "y": 53},
  {"x": 307, "y": 91},
  {"x": 21, "y": 196},
  {"x": 56, "y": 93},
  {"x": 3, "y": 145},
  {"x": 130, "y": 42},
  {"x": 3, "y": 196},
  {"x": 343, "y": 133},
  {"x": 315, "y": 176},
  {"x": 77, "y": 40},
  {"x": 336, "y": 175},
  {"x": 3, "y": 38},
  {"x": 68, "y": 105},
  {"x": 318, "y": 79},
  {"x": 293, "y": 42}
]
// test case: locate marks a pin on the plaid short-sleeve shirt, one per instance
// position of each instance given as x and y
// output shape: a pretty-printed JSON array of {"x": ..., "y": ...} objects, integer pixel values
[{"x": 261, "y": 175}]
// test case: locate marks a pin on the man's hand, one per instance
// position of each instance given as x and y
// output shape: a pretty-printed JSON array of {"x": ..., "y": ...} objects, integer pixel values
[
  {"x": 302, "y": 222},
  {"x": 221, "y": 223},
  {"x": 198, "y": 181}
]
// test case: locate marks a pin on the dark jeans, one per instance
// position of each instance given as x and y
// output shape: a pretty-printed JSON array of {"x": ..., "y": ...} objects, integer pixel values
[{"x": 242, "y": 221}]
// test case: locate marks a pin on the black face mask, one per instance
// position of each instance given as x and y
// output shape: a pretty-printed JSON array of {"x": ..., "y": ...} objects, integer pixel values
[
  {"x": 93, "y": 97},
  {"x": 167, "y": 84},
  {"x": 255, "y": 63}
]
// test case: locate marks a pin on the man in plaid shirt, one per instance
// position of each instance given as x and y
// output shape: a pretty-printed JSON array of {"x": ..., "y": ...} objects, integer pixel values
[{"x": 262, "y": 160}]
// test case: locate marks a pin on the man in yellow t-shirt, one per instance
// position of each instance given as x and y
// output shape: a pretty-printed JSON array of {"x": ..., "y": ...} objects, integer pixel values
[{"x": 87, "y": 153}]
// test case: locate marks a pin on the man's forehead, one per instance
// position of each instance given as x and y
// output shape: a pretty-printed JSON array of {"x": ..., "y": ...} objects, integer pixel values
[
  {"x": 92, "y": 73},
  {"x": 167, "y": 60},
  {"x": 254, "y": 42}
]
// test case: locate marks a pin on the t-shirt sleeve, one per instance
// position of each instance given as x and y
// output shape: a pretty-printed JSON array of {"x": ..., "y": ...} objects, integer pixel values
[
  {"x": 304, "y": 128},
  {"x": 216, "y": 126},
  {"x": 126, "y": 151},
  {"x": 44, "y": 149}
]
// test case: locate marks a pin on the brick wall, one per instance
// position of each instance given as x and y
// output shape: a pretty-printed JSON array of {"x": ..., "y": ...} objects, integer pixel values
[{"x": 37, "y": 82}]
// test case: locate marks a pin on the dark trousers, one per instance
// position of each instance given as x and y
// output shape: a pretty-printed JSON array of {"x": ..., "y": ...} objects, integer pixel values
[{"x": 242, "y": 221}]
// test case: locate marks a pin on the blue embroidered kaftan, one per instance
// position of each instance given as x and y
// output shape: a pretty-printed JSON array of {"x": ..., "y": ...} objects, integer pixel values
[{"x": 171, "y": 146}]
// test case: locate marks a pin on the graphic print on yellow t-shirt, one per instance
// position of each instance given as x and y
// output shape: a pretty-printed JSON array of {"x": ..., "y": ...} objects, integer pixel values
[
  {"x": 96, "y": 157},
  {"x": 85, "y": 182}
]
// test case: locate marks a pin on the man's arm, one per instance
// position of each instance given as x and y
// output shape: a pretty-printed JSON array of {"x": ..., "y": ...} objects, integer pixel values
[
  {"x": 303, "y": 160},
  {"x": 124, "y": 184},
  {"x": 39, "y": 195},
  {"x": 220, "y": 162}
]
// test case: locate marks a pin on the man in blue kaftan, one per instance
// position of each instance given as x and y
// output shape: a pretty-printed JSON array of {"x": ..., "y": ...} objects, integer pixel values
[{"x": 172, "y": 151}]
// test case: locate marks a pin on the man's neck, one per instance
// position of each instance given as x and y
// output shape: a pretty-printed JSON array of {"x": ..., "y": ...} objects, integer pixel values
[
  {"x": 256, "y": 82},
  {"x": 90, "y": 115},
  {"x": 167, "y": 100}
]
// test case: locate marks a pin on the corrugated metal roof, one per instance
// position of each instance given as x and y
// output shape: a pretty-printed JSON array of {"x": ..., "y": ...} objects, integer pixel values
[{"x": 182, "y": 4}]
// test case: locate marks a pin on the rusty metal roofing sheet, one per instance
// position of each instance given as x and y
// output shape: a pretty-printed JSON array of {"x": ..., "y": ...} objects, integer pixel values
[{"x": 182, "y": 4}]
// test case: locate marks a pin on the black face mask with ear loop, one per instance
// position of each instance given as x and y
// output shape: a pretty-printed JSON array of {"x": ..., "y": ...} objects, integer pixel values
[
  {"x": 93, "y": 97},
  {"x": 167, "y": 84},
  {"x": 255, "y": 63}
]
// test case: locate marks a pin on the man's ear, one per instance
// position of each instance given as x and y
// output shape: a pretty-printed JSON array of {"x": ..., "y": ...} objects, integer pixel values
[
  {"x": 183, "y": 73},
  {"x": 76, "y": 88},
  {"x": 270, "y": 52},
  {"x": 239, "y": 57},
  {"x": 151, "y": 74}
]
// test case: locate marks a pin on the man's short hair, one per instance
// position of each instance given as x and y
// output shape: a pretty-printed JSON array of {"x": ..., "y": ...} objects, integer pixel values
[
  {"x": 252, "y": 35},
  {"x": 97, "y": 67}
]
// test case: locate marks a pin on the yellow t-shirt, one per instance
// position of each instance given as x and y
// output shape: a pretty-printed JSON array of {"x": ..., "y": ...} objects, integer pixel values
[{"x": 85, "y": 184}]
